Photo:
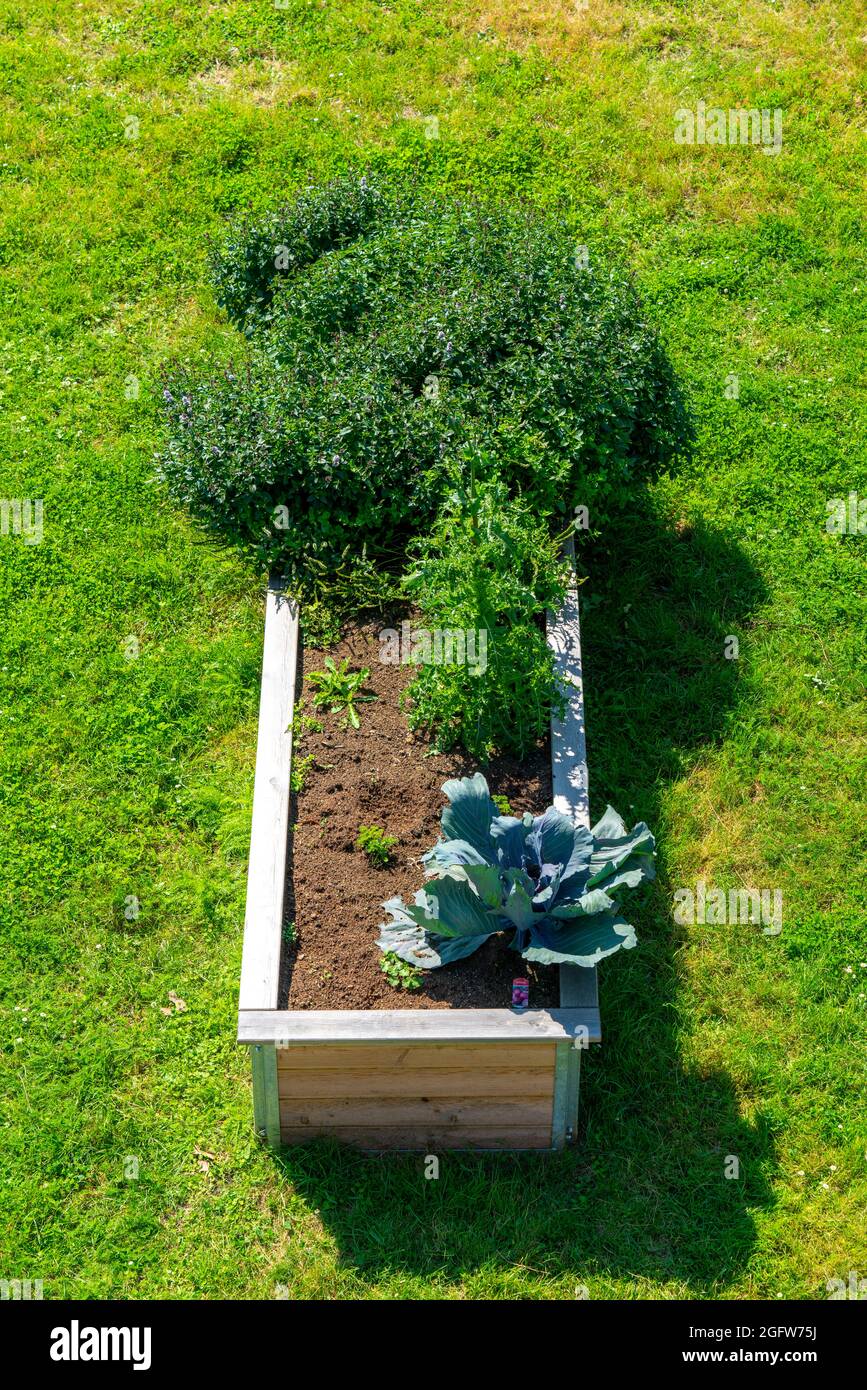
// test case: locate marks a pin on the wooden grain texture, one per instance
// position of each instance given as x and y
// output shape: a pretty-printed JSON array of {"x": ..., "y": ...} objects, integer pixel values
[
  {"x": 398, "y": 1112},
  {"x": 260, "y": 965},
  {"x": 422, "y": 1139},
  {"x": 418, "y": 1057},
  {"x": 426, "y": 1081},
  {"x": 394, "y": 1102},
  {"x": 578, "y": 984},
  {"x": 568, "y": 734},
  {"x": 300, "y": 1027}
]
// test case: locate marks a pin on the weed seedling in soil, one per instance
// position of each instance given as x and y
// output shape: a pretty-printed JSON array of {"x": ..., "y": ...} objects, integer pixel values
[
  {"x": 299, "y": 726},
  {"x": 339, "y": 689},
  {"x": 502, "y": 804},
  {"x": 376, "y": 844},
  {"x": 302, "y": 724},
  {"x": 290, "y": 933},
  {"x": 298, "y": 775},
  {"x": 399, "y": 974}
]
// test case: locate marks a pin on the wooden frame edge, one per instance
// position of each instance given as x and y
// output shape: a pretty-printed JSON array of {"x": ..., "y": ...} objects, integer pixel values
[
  {"x": 266, "y": 875},
  {"x": 313, "y": 1027},
  {"x": 579, "y": 985}
]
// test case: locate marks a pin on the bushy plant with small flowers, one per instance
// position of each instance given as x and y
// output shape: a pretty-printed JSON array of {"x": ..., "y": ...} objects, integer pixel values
[{"x": 387, "y": 335}]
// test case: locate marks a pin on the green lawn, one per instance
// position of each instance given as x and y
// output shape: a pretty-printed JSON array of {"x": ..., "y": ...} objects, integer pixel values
[{"x": 129, "y": 1166}]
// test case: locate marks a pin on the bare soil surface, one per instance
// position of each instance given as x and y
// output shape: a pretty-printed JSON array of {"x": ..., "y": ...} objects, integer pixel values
[{"x": 382, "y": 775}]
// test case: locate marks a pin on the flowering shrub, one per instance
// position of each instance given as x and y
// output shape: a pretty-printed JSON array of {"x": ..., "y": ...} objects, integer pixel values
[{"x": 387, "y": 335}]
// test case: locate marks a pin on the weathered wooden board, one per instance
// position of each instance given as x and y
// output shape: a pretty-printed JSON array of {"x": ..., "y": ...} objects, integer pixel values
[
  {"x": 266, "y": 877},
  {"x": 396, "y": 1112},
  {"x": 418, "y": 1057},
  {"x": 302, "y": 1027},
  {"x": 456, "y": 1088},
  {"x": 421, "y": 1139},
  {"x": 579, "y": 987},
  {"x": 568, "y": 734},
  {"x": 426, "y": 1081}
]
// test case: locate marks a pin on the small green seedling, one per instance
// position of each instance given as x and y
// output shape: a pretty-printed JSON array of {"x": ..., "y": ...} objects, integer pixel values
[
  {"x": 303, "y": 724},
  {"x": 290, "y": 933},
  {"x": 339, "y": 689},
  {"x": 399, "y": 973},
  {"x": 299, "y": 772},
  {"x": 376, "y": 844},
  {"x": 298, "y": 726},
  {"x": 503, "y": 805}
]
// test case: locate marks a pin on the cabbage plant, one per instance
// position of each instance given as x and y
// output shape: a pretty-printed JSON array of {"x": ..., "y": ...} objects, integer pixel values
[{"x": 550, "y": 883}]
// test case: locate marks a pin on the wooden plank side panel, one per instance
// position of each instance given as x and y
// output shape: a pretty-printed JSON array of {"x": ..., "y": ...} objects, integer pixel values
[
  {"x": 445, "y": 1112},
  {"x": 578, "y": 985},
  {"x": 423, "y": 1140},
  {"x": 419, "y": 1097},
  {"x": 260, "y": 963},
  {"x": 427, "y": 1081},
  {"x": 417, "y": 1057},
  {"x": 579, "y": 989}
]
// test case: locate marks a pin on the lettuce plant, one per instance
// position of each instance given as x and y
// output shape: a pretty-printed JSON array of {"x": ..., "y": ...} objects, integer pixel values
[{"x": 542, "y": 878}]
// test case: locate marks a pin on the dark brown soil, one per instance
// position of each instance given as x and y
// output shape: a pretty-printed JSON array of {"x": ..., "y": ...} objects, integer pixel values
[{"x": 382, "y": 775}]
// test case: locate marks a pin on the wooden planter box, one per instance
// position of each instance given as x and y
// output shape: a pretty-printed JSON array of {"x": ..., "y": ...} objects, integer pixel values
[{"x": 418, "y": 1079}]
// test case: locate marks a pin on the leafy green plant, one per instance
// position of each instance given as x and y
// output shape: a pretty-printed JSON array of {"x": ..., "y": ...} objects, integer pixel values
[
  {"x": 487, "y": 571},
  {"x": 389, "y": 333},
  {"x": 303, "y": 723},
  {"x": 548, "y": 882},
  {"x": 340, "y": 690},
  {"x": 399, "y": 973},
  {"x": 290, "y": 933},
  {"x": 502, "y": 804},
  {"x": 375, "y": 844},
  {"x": 332, "y": 594},
  {"x": 299, "y": 773},
  {"x": 319, "y": 220}
]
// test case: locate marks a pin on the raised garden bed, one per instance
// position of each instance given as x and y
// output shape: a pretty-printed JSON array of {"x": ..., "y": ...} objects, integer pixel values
[{"x": 400, "y": 1073}]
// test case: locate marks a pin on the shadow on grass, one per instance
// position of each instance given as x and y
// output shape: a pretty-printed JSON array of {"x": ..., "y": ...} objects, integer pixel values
[{"x": 644, "y": 1192}]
